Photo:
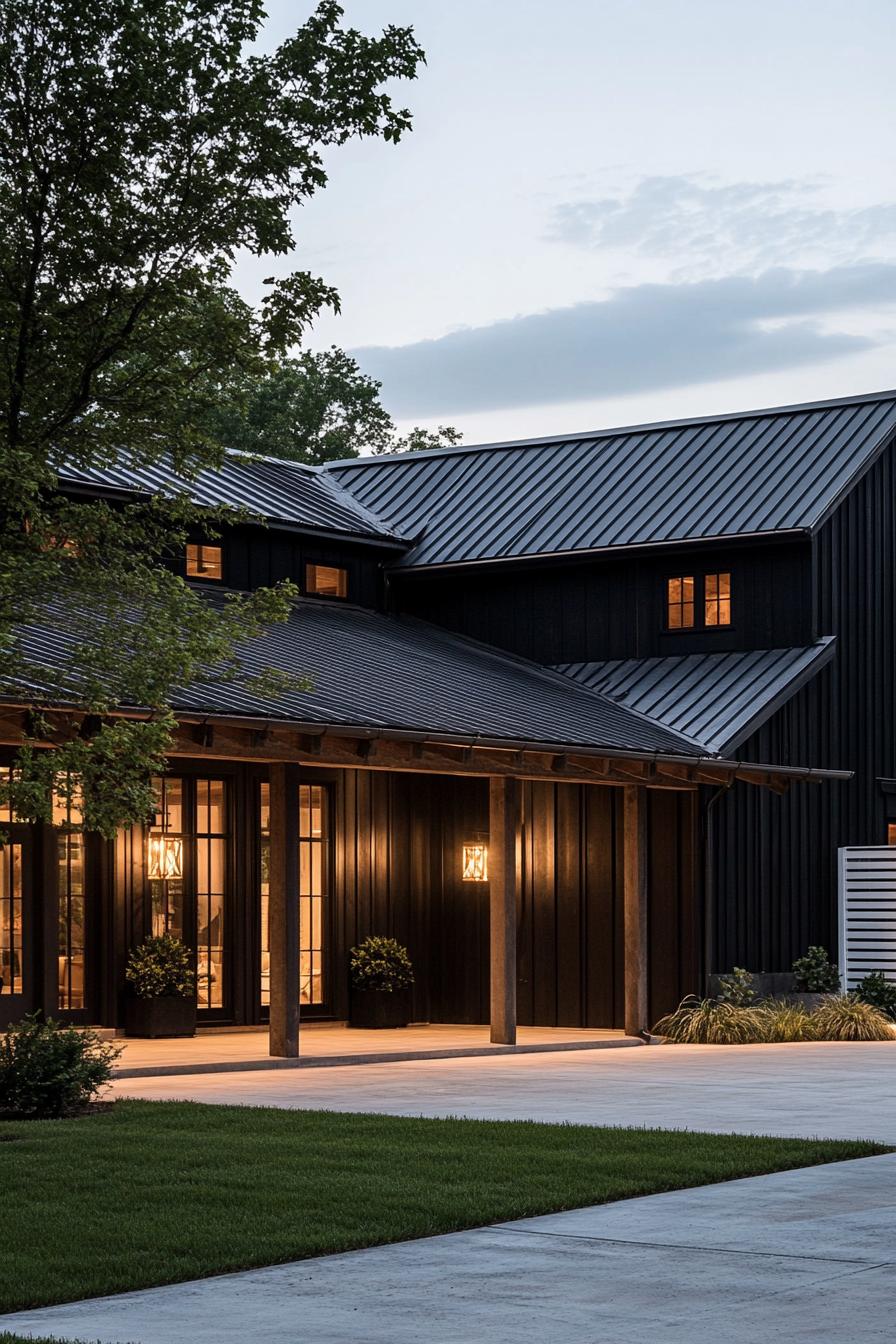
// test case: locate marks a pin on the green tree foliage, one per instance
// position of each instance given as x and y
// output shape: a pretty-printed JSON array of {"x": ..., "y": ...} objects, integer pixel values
[
  {"x": 142, "y": 144},
  {"x": 314, "y": 407}
]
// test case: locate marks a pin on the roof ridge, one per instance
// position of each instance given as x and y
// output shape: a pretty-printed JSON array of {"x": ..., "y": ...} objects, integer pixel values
[{"x": 544, "y": 441}]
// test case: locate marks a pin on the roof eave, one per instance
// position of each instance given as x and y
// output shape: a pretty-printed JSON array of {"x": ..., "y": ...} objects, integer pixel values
[{"x": 826, "y": 649}]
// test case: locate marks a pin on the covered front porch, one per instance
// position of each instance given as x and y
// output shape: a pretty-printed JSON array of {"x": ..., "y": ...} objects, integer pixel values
[{"x": 333, "y": 1044}]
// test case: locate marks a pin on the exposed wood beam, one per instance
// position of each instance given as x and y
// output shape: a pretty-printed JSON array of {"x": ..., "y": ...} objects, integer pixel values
[
  {"x": 504, "y": 858},
  {"x": 635, "y": 908},
  {"x": 283, "y": 911}
]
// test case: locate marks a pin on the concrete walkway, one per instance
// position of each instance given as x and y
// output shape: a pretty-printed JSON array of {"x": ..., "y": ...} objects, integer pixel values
[
  {"x": 830, "y": 1090},
  {"x": 806, "y": 1256}
]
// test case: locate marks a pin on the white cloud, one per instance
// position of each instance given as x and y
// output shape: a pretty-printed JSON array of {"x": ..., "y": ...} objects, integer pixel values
[
  {"x": 701, "y": 225},
  {"x": 640, "y": 338}
]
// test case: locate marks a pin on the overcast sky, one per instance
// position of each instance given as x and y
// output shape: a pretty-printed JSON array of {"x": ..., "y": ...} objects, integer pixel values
[{"x": 612, "y": 211}]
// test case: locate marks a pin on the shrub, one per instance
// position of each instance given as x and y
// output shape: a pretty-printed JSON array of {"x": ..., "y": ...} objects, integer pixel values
[
  {"x": 380, "y": 963},
  {"x": 160, "y": 967},
  {"x": 785, "y": 1022},
  {"x": 880, "y": 992},
  {"x": 710, "y": 1022},
  {"x": 48, "y": 1070},
  {"x": 846, "y": 1018},
  {"x": 815, "y": 973},
  {"x": 737, "y": 988}
]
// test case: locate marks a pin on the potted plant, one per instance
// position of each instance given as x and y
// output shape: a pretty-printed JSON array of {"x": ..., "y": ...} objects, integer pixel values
[
  {"x": 381, "y": 979},
  {"x": 816, "y": 977},
  {"x": 161, "y": 981}
]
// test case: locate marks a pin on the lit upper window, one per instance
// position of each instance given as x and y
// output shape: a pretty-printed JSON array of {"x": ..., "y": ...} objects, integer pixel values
[
  {"x": 680, "y": 603},
  {"x": 204, "y": 562},
  {"x": 326, "y": 581},
  {"x": 717, "y": 599}
]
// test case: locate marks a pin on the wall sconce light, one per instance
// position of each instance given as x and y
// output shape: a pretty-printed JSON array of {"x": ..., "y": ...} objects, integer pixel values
[
  {"x": 475, "y": 861},
  {"x": 165, "y": 859}
]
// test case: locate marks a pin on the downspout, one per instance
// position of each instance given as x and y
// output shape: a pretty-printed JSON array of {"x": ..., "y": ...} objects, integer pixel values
[{"x": 709, "y": 880}]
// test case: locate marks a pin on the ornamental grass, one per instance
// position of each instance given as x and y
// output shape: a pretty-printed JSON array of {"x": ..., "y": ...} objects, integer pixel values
[
  {"x": 711, "y": 1022},
  {"x": 841, "y": 1017},
  {"x": 845, "y": 1018}
]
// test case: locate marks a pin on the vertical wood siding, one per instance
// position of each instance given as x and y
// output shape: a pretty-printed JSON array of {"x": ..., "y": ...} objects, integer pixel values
[
  {"x": 613, "y": 607},
  {"x": 400, "y": 837},
  {"x": 775, "y": 857}
]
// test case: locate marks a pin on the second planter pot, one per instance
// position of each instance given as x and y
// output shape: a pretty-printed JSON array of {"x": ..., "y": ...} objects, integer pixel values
[{"x": 378, "y": 1008}]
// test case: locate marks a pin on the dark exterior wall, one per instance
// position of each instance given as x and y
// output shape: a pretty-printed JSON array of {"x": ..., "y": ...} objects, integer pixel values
[
  {"x": 614, "y": 608},
  {"x": 400, "y": 841},
  {"x": 257, "y": 556},
  {"x": 396, "y": 852},
  {"x": 775, "y": 868}
]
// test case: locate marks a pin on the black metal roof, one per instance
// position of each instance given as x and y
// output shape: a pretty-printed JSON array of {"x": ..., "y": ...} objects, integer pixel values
[
  {"x": 769, "y": 471},
  {"x": 282, "y": 492},
  {"x": 716, "y": 700},
  {"x": 387, "y": 673}
]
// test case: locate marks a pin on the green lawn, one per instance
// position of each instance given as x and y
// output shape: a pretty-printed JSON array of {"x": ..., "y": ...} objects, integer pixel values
[{"x": 156, "y": 1192}]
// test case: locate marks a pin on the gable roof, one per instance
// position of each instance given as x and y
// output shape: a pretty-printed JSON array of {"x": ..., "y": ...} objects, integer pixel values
[
  {"x": 282, "y": 492},
  {"x": 761, "y": 472},
  {"x": 715, "y": 699}
]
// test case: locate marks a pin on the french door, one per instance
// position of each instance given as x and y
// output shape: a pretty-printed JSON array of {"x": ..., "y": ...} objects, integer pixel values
[
  {"x": 18, "y": 987},
  {"x": 188, "y": 875},
  {"x": 314, "y": 895}
]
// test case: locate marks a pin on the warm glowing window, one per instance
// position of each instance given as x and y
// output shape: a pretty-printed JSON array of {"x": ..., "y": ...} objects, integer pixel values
[
  {"x": 211, "y": 856},
  {"x": 72, "y": 895},
  {"x": 165, "y": 866},
  {"x": 313, "y": 893},
  {"x": 717, "y": 599},
  {"x": 326, "y": 581},
  {"x": 11, "y": 927},
  {"x": 680, "y": 603},
  {"x": 204, "y": 562},
  {"x": 891, "y": 833}
]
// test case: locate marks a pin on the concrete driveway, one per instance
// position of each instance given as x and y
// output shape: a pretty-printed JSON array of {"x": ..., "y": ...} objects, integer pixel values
[
  {"x": 805, "y": 1256},
  {"x": 825, "y": 1089}
]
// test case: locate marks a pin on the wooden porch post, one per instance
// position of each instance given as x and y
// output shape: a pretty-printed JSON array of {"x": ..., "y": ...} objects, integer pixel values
[
  {"x": 503, "y": 884},
  {"x": 283, "y": 911},
  {"x": 635, "y": 907}
]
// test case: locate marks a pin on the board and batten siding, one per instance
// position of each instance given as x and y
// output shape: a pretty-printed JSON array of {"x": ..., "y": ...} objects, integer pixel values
[
  {"x": 775, "y": 858},
  {"x": 398, "y": 872},
  {"x": 561, "y": 611}
]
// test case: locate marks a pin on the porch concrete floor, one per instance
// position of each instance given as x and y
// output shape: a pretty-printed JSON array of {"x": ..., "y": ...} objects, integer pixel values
[
  {"x": 321, "y": 1044},
  {"x": 805, "y": 1256},
  {"x": 825, "y": 1089}
]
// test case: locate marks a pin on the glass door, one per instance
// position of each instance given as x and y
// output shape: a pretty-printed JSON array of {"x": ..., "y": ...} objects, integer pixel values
[
  {"x": 187, "y": 871},
  {"x": 17, "y": 988},
  {"x": 315, "y": 866}
]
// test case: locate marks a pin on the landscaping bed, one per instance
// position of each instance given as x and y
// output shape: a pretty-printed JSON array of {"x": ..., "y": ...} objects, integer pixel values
[{"x": 160, "y": 1192}]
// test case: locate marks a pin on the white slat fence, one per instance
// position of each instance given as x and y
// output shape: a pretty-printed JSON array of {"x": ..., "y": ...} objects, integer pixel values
[{"x": 867, "y": 912}]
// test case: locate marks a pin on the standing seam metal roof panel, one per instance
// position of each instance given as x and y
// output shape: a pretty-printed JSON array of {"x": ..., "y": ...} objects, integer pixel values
[
  {"x": 280, "y": 491},
  {"x": 715, "y": 699},
  {"x": 760, "y": 472},
  {"x": 384, "y": 672}
]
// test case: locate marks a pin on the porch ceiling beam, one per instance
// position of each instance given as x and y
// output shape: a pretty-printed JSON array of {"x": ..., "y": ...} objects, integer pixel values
[
  {"x": 414, "y": 757},
  {"x": 265, "y": 741}
]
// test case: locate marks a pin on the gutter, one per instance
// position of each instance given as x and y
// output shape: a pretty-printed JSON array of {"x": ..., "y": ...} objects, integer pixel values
[{"x": 314, "y": 728}]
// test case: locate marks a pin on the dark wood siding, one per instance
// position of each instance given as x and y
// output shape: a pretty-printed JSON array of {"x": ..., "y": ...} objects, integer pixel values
[
  {"x": 614, "y": 608},
  {"x": 775, "y": 863},
  {"x": 254, "y": 557},
  {"x": 400, "y": 837}
]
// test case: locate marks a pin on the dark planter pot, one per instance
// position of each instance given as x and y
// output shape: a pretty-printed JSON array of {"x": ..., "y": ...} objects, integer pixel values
[
  {"x": 168, "y": 1016},
  {"x": 377, "y": 1008}
]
